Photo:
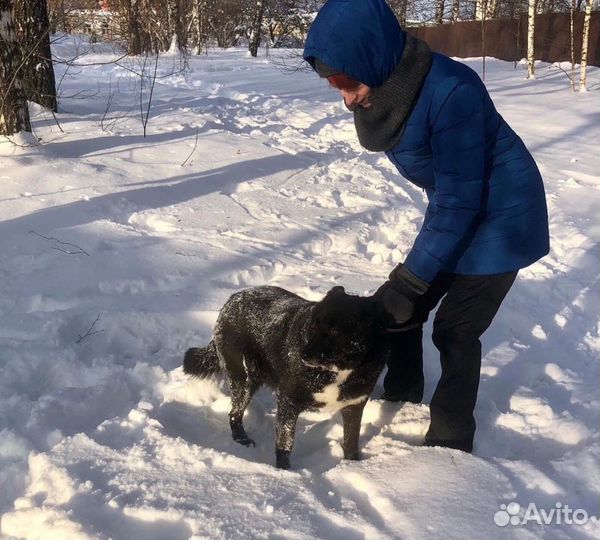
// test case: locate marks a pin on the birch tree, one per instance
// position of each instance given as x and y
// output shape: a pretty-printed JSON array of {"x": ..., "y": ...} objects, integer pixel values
[
  {"x": 33, "y": 33},
  {"x": 572, "y": 23},
  {"x": 491, "y": 9},
  {"x": 14, "y": 115},
  {"x": 584, "y": 46},
  {"x": 402, "y": 7},
  {"x": 439, "y": 11},
  {"x": 530, "y": 40},
  {"x": 455, "y": 10},
  {"x": 199, "y": 25},
  {"x": 172, "y": 13},
  {"x": 480, "y": 9},
  {"x": 175, "y": 22}
]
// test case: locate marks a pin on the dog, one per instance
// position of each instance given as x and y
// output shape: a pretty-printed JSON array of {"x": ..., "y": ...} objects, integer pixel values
[{"x": 323, "y": 355}]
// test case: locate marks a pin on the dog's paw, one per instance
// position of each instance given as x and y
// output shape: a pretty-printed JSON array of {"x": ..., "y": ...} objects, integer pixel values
[{"x": 246, "y": 441}]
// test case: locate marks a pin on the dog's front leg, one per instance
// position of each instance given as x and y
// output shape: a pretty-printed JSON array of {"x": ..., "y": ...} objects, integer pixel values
[
  {"x": 352, "y": 416},
  {"x": 287, "y": 415}
]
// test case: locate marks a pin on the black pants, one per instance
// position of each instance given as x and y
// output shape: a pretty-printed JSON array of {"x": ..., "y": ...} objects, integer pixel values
[{"x": 469, "y": 304}]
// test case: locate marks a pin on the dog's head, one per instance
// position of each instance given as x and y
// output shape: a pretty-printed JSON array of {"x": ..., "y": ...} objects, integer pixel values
[{"x": 342, "y": 332}]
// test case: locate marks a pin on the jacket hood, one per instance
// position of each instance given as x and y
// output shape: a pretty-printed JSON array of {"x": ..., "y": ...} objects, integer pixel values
[{"x": 360, "y": 38}]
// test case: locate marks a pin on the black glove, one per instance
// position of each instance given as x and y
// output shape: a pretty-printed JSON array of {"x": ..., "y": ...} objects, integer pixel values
[{"x": 398, "y": 295}]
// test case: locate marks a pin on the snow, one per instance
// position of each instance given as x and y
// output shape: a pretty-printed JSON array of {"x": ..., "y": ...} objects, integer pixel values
[{"x": 115, "y": 259}]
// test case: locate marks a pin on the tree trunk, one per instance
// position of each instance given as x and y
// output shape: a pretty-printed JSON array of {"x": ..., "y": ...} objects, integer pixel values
[
  {"x": 572, "y": 76},
  {"x": 33, "y": 32},
  {"x": 14, "y": 115},
  {"x": 256, "y": 27},
  {"x": 483, "y": 49},
  {"x": 518, "y": 42},
  {"x": 172, "y": 18},
  {"x": 530, "y": 40},
  {"x": 584, "y": 46},
  {"x": 455, "y": 10},
  {"x": 480, "y": 9},
  {"x": 175, "y": 22},
  {"x": 133, "y": 24},
  {"x": 492, "y": 9},
  {"x": 57, "y": 16},
  {"x": 439, "y": 11},
  {"x": 400, "y": 10},
  {"x": 403, "y": 8},
  {"x": 181, "y": 29},
  {"x": 197, "y": 20}
]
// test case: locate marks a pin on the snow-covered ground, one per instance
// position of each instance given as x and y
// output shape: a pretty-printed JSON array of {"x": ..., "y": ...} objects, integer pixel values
[{"x": 115, "y": 257}]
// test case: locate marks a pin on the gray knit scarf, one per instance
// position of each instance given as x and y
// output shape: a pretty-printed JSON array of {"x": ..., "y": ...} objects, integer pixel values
[{"x": 380, "y": 127}]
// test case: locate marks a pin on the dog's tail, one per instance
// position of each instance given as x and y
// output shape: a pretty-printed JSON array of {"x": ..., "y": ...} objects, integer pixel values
[{"x": 202, "y": 362}]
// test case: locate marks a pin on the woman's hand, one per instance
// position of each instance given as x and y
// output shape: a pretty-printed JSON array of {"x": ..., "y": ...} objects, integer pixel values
[{"x": 398, "y": 295}]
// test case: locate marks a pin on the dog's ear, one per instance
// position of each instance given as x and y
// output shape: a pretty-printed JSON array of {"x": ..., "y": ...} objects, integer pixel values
[{"x": 337, "y": 290}]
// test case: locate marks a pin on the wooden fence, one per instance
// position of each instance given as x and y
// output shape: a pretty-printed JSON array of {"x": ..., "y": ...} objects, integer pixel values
[{"x": 506, "y": 39}]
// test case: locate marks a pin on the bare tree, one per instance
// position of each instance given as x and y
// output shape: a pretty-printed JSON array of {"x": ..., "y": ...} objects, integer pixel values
[
  {"x": 145, "y": 109},
  {"x": 439, "y": 11},
  {"x": 584, "y": 46},
  {"x": 572, "y": 28},
  {"x": 174, "y": 23},
  {"x": 14, "y": 115},
  {"x": 256, "y": 27},
  {"x": 483, "y": 54},
  {"x": 402, "y": 9},
  {"x": 531, "y": 40},
  {"x": 286, "y": 22},
  {"x": 455, "y": 10},
  {"x": 480, "y": 9},
  {"x": 399, "y": 7},
  {"x": 492, "y": 9},
  {"x": 224, "y": 23},
  {"x": 134, "y": 34},
  {"x": 199, "y": 20},
  {"x": 37, "y": 72},
  {"x": 56, "y": 14}
]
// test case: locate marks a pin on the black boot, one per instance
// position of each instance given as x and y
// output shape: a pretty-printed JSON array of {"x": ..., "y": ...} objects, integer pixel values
[{"x": 466, "y": 445}]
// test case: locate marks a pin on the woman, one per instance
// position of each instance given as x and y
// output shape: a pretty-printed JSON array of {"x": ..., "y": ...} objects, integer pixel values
[{"x": 486, "y": 217}]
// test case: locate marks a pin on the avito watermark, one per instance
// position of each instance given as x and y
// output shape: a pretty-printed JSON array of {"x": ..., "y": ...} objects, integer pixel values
[{"x": 514, "y": 514}]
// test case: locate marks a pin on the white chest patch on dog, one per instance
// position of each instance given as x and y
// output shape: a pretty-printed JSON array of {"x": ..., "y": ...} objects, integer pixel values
[{"x": 329, "y": 398}]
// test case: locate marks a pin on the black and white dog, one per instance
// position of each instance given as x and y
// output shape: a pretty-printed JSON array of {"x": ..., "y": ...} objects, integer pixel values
[{"x": 323, "y": 355}]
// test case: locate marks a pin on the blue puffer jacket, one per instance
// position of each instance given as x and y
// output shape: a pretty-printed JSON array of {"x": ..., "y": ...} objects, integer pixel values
[{"x": 487, "y": 209}]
